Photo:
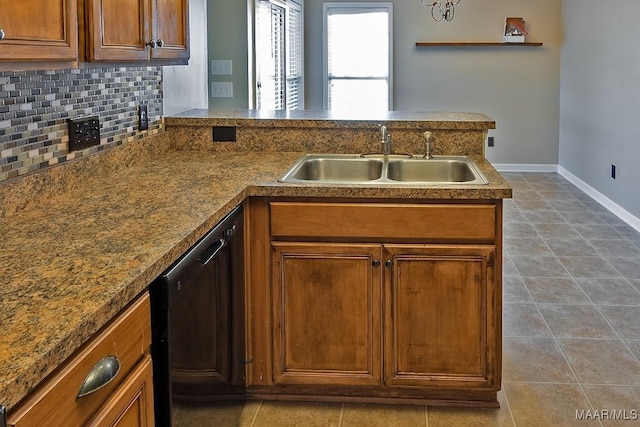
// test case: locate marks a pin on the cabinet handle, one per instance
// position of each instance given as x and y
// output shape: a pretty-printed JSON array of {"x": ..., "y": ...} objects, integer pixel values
[
  {"x": 152, "y": 43},
  {"x": 160, "y": 42},
  {"x": 100, "y": 375},
  {"x": 1, "y": 34},
  {"x": 376, "y": 263},
  {"x": 388, "y": 263}
]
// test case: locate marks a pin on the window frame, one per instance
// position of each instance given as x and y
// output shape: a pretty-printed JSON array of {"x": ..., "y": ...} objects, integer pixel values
[
  {"x": 286, "y": 6},
  {"x": 326, "y": 6}
]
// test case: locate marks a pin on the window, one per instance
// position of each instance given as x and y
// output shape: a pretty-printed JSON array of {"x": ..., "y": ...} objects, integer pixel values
[
  {"x": 279, "y": 57},
  {"x": 358, "y": 56}
]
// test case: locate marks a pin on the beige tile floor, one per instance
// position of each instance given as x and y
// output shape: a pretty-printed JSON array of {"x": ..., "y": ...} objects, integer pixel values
[{"x": 571, "y": 327}]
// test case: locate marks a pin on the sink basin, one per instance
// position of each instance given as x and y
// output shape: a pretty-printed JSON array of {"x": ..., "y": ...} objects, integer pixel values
[
  {"x": 383, "y": 170},
  {"x": 438, "y": 169},
  {"x": 335, "y": 169}
]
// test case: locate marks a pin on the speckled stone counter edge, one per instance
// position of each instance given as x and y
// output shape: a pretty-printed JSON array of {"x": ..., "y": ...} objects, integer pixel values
[{"x": 326, "y": 119}]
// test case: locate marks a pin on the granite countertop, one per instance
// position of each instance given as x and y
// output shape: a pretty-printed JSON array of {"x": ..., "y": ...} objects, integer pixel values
[
  {"x": 309, "y": 118},
  {"x": 75, "y": 259}
]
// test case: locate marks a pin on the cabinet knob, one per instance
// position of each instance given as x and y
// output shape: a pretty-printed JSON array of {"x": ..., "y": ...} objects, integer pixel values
[
  {"x": 152, "y": 43},
  {"x": 376, "y": 263},
  {"x": 1, "y": 34},
  {"x": 160, "y": 42},
  {"x": 388, "y": 263}
]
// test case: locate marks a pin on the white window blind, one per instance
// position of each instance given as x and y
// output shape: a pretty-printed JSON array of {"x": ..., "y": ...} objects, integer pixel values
[
  {"x": 295, "y": 66},
  {"x": 279, "y": 56},
  {"x": 357, "y": 56}
]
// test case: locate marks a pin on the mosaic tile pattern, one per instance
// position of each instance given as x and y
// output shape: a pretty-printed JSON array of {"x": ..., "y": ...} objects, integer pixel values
[{"x": 35, "y": 106}]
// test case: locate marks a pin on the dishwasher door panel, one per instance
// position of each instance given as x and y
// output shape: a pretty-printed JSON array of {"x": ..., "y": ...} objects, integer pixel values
[
  {"x": 197, "y": 306},
  {"x": 199, "y": 328}
]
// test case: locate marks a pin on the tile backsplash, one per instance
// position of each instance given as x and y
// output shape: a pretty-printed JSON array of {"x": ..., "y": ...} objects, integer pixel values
[{"x": 35, "y": 106}]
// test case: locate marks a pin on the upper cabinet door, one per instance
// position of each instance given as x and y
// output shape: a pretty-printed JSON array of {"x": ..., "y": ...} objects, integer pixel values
[
  {"x": 39, "y": 30},
  {"x": 118, "y": 30},
  {"x": 171, "y": 29}
]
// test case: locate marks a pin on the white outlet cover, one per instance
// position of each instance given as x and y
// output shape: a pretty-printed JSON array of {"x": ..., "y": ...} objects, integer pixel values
[
  {"x": 221, "y": 67},
  {"x": 222, "y": 89}
]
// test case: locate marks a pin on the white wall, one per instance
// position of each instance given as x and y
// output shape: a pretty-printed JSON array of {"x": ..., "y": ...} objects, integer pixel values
[
  {"x": 228, "y": 40},
  {"x": 600, "y": 97},
  {"x": 185, "y": 87},
  {"x": 518, "y": 87}
]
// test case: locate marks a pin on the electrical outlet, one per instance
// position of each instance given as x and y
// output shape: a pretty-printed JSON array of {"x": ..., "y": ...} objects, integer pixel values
[
  {"x": 83, "y": 132},
  {"x": 221, "y": 67},
  {"x": 224, "y": 134},
  {"x": 613, "y": 171},
  {"x": 222, "y": 89},
  {"x": 143, "y": 117},
  {"x": 490, "y": 141}
]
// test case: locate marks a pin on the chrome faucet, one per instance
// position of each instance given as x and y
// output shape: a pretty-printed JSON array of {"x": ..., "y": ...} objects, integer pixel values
[
  {"x": 386, "y": 149},
  {"x": 427, "y": 145},
  {"x": 385, "y": 140}
]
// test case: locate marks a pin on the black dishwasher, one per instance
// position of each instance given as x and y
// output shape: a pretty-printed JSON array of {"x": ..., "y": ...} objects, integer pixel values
[{"x": 197, "y": 308}]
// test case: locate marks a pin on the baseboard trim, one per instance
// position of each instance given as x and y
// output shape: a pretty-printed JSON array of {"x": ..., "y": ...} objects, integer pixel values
[
  {"x": 609, "y": 204},
  {"x": 612, "y": 206}
]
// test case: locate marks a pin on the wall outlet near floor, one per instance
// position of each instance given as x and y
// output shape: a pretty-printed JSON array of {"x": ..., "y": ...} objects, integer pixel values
[
  {"x": 613, "y": 171},
  {"x": 222, "y": 89}
]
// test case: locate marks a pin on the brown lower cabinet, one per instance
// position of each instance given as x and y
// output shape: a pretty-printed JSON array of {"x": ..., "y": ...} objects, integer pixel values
[
  {"x": 125, "y": 400},
  {"x": 327, "y": 313},
  {"x": 356, "y": 312}
]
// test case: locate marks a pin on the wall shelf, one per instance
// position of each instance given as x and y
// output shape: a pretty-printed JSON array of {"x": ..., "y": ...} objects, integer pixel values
[{"x": 468, "y": 44}]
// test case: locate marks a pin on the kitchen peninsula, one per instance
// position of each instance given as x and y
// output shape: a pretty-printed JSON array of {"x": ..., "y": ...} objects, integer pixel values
[{"x": 81, "y": 241}]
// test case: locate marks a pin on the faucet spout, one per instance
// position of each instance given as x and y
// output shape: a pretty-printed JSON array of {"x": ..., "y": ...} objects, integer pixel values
[
  {"x": 427, "y": 145},
  {"x": 385, "y": 140}
]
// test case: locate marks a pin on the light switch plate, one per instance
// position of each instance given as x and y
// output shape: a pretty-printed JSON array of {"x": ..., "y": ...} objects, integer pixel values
[
  {"x": 143, "y": 117},
  {"x": 222, "y": 89},
  {"x": 221, "y": 67}
]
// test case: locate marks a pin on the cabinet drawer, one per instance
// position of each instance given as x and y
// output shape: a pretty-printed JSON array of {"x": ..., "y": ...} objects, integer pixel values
[
  {"x": 384, "y": 220},
  {"x": 128, "y": 337},
  {"x": 132, "y": 403}
]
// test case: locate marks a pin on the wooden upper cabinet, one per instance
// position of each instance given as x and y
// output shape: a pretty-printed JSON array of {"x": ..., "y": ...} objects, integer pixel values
[
  {"x": 39, "y": 30},
  {"x": 117, "y": 30},
  {"x": 136, "y": 30},
  {"x": 171, "y": 18}
]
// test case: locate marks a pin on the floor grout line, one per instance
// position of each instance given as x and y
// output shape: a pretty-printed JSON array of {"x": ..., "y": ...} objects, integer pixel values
[
  {"x": 506, "y": 398},
  {"x": 255, "y": 416},
  {"x": 426, "y": 415}
]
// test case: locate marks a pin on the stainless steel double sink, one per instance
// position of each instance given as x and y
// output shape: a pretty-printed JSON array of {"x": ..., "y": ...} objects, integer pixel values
[{"x": 383, "y": 169}]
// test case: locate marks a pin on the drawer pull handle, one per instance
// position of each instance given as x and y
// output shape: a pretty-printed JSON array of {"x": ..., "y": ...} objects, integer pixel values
[
  {"x": 100, "y": 375},
  {"x": 1, "y": 34}
]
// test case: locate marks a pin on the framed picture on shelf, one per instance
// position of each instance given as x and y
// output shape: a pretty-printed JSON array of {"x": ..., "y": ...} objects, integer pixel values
[{"x": 514, "y": 30}]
